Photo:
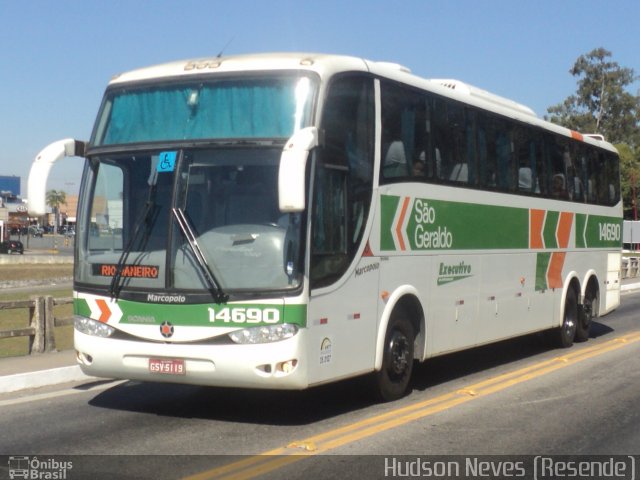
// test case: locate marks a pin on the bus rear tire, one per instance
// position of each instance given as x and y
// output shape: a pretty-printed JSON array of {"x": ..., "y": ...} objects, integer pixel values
[
  {"x": 392, "y": 381},
  {"x": 565, "y": 334},
  {"x": 586, "y": 315}
]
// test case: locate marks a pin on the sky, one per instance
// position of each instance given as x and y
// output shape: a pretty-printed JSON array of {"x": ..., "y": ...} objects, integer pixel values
[{"x": 57, "y": 56}]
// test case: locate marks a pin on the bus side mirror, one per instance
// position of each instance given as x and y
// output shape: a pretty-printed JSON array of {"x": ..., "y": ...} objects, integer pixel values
[
  {"x": 37, "y": 183},
  {"x": 291, "y": 176}
]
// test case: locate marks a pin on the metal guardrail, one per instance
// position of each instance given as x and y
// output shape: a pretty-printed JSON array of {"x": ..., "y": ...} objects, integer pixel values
[
  {"x": 630, "y": 267},
  {"x": 42, "y": 322}
]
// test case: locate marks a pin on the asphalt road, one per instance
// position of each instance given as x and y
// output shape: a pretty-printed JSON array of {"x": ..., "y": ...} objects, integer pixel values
[{"x": 518, "y": 398}]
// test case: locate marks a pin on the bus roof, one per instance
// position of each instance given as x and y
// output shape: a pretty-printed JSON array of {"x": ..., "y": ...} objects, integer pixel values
[
  {"x": 328, "y": 64},
  {"x": 321, "y": 63}
]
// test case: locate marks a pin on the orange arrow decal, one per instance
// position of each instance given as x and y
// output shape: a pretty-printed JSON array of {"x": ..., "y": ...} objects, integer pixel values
[
  {"x": 563, "y": 232},
  {"x": 403, "y": 212},
  {"x": 105, "y": 311},
  {"x": 536, "y": 223}
]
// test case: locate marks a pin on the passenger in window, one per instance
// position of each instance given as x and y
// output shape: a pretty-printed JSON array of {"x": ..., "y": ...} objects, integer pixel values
[
  {"x": 419, "y": 169},
  {"x": 558, "y": 189},
  {"x": 395, "y": 160},
  {"x": 525, "y": 179}
]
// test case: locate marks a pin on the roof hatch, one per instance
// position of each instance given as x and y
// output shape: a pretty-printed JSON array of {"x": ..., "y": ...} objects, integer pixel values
[{"x": 466, "y": 89}]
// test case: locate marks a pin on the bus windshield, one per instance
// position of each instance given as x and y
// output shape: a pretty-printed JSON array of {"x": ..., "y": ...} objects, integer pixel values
[
  {"x": 161, "y": 214},
  {"x": 227, "y": 201},
  {"x": 244, "y": 107}
]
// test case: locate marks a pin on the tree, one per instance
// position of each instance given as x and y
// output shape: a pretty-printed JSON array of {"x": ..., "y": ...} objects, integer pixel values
[
  {"x": 603, "y": 104},
  {"x": 54, "y": 199},
  {"x": 630, "y": 179}
]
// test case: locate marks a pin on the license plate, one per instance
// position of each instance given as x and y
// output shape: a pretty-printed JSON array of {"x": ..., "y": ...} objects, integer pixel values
[{"x": 167, "y": 366}]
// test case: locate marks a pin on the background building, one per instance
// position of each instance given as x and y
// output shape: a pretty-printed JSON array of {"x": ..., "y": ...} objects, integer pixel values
[
  {"x": 10, "y": 185},
  {"x": 13, "y": 209}
]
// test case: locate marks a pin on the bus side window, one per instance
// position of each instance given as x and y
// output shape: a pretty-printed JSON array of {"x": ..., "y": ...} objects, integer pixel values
[
  {"x": 536, "y": 154},
  {"x": 556, "y": 161},
  {"x": 607, "y": 179},
  {"x": 580, "y": 175},
  {"x": 404, "y": 132},
  {"x": 602, "y": 192},
  {"x": 529, "y": 162},
  {"x": 343, "y": 179},
  {"x": 484, "y": 170},
  {"x": 491, "y": 174},
  {"x": 470, "y": 152},
  {"x": 329, "y": 242},
  {"x": 504, "y": 150},
  {"x": 110, "y": 220},
  {"x": 613, "y": 178},
  {"x": 449, "y": 139}
]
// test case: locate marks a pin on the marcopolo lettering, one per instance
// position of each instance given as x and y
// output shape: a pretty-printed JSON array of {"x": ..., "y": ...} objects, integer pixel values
[
  {"x": 367, "y": 268},
  {"x": 152, "y": 297}
]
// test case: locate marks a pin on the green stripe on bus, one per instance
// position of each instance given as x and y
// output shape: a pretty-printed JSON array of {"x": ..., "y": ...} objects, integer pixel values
[
  {"x": 81, "y": 307},
  {"x": 602, "y": 232},
  {"x": 542, "y": 265},
  {"x": 204, "y": 315},
  {"x": 444, "y": 225},
  {"x": 549, "y": 230},
  {"x": 581, "y": 223},
  {"x": 388, "y": 207}
]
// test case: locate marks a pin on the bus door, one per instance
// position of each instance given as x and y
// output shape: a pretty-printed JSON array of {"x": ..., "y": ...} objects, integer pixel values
[{"x": 343, "y": 278}]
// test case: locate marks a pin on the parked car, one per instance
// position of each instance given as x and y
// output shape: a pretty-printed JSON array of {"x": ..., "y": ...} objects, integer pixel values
[
  {"x": 11, "y": 246},
  {"x": 36, "y": 231}
]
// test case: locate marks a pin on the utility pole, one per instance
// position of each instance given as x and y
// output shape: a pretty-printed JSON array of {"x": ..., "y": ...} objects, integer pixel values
[{"x": 634, "y": 198}]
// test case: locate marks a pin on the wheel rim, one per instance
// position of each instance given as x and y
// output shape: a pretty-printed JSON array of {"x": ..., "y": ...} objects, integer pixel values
[
  {"x": 569, "y": 327},
  {"x": 591, "y": 305},
  {"x": 588, "y": 313},
  {"x": 570, "y": 324},
  {"x": 399, "y": 352}
]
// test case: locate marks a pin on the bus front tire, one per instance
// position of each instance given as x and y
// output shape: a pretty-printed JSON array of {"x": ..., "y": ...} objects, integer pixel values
[{"x": 392, "y": 381}]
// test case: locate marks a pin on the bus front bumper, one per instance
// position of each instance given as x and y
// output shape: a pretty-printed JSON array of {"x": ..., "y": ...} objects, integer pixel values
[{"x": 277, "y": 365}]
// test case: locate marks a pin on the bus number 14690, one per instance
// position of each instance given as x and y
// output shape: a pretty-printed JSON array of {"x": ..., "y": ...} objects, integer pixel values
[{"x": 245, "y": 315}]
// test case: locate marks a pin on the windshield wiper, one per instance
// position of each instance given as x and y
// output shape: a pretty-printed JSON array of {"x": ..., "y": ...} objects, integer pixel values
[
  {"x": 145, "y": 218},
  {"x": 214, "y": 287}
]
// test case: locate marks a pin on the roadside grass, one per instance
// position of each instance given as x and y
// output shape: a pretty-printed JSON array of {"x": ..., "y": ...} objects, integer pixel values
[
  {"x": 19, "y": 317},
  {"x": 38, "y": 272}
]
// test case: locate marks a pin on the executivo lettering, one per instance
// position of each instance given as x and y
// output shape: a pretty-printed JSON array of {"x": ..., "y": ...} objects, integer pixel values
[{"x": 453, "y": 273}]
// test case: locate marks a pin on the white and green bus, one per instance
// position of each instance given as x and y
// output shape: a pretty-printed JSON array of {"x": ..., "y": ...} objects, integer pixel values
[{"x": 286, "y": 220}]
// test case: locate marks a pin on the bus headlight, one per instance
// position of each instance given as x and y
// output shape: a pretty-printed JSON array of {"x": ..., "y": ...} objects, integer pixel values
[
  {"x": 266, "y": 334},
  {"x": 92, "y": 327}
]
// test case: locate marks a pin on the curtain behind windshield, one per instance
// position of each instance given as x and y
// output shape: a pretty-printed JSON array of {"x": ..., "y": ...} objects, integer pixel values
[{"x": 229, "y": 109}]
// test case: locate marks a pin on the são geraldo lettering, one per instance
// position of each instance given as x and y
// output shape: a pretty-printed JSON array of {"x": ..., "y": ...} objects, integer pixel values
[{"x": 426, "y": 235}]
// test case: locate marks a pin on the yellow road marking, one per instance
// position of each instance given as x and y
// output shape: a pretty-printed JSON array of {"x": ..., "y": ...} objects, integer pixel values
[{"x": 256, "y": 465}]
